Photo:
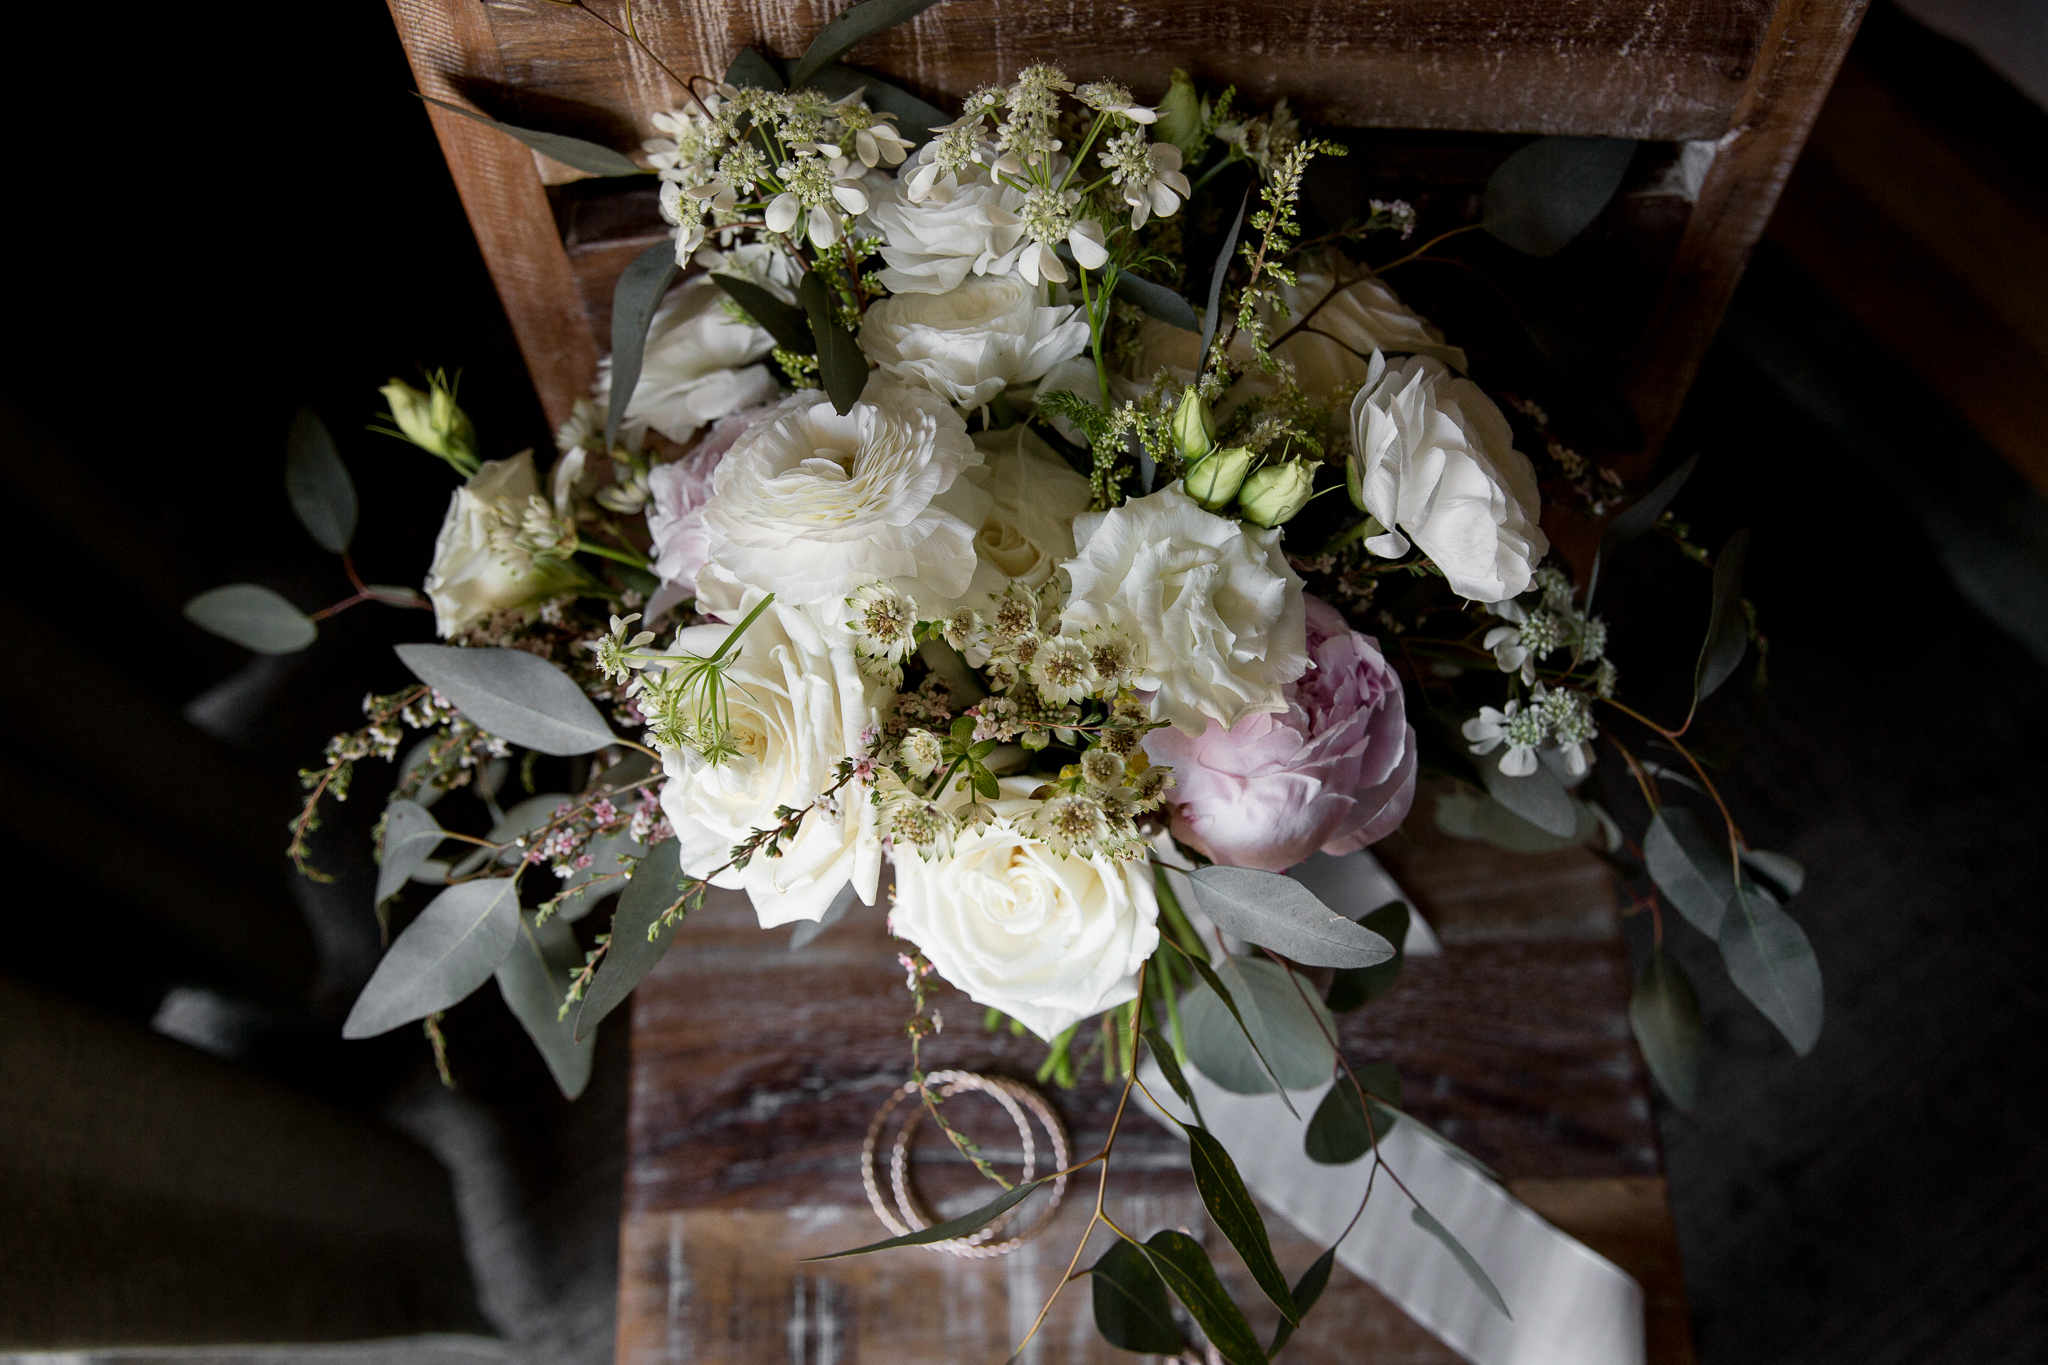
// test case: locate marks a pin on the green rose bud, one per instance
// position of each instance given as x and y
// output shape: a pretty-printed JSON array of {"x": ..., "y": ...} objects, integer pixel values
[
  {"x": 1215, "y": 479},
  {"x": 1274, "y": 494},
  {"x": 1194, "y": 430},
  {"x": 1181, "y": 117},
  {"x": 433, "y": 422}
]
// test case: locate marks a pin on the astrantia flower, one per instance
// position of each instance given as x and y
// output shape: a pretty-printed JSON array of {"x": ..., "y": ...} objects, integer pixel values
[
  {"x": 1047, "y": 940},
  {"x": 813, "y": 506},
  {"x": 1436, "y": 464},
  {"x": 922, "y": 753},
  {"x": 972, "y": 342},
  {"x": 1062, "y": 671},
  {"x": 883, "y": 620},
  {"x": 1213, "y": 604}
]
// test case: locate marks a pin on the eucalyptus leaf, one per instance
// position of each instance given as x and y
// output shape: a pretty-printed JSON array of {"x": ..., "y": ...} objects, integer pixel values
[
  {"x": 1211, "y": 315},
  {"x": 1133, "y": 1311},
  {"x": 1185, "y": 1267},
  {"x": 1694, "y": 872},
  {"x": 1230, "y": 1205},
  {"x": 1537, "y": 797},
  {"x": 1549, "y": 191},
  {"x": 842, "y": 365},
  {"x": 1770, "y": 960},
  {"x": 523, "y": 819},
  {"x": 630, "y": 954},
  {"x": 450, "y": 950},
  {"x": 1162, "y": 303},
  {"x": 253, "y": 617},
  {"x": 1665, "y": 1016},
  {"x": 1428, "y": 1223},
  {"x": 1229, "y": 1003},
  {"x": 1338, "y": 1133},
  {"x": 574, "y": 152},
  {"x": 534, "y": 979},
  {"x": 1289, "y": 1036},
  {"x": 1352, "y": 987},
  {"x": 1486, "y": 820},
  {"x": 1727, "y": 624},
  {"x": 634, "y": 300},
  {"x": 1636, "y": 520},
  {"x": 751, "y": 70},
  {"x": 1781, "y": 868},
  {"x": 1307, "y": 1290},
  {"x": 1169, "y": 1067},
  {"x": 784, "y": 322},
  {"x": 850, "y": 29},
  {"x": 1277, "y": 912},
  {"x": 514, "y": 695},
  {"x": 951, "y": 1228},
  {"x": 410, "y": 838},
  {"x": 321, "y": 492},
  {"x": 582, "y": 893}
]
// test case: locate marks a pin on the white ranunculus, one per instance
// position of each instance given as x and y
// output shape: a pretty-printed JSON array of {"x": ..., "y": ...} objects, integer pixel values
[
  {"x": 1048, "y": 940},
  {"x": 1213, "y": 604},
  {"x": 1438, "y": 465},
  {"x": 477, "y": 569},
  {"x": 1333, "y": 348},
  {"x": 967, "y": 223},
  {"x": 797, "y": 704},
  {"x": 970, "y": 343},
  {"x": 699, "y": 365},
  {"x": 1034, "y": 496},
  {"x": 813, "y": 506}
]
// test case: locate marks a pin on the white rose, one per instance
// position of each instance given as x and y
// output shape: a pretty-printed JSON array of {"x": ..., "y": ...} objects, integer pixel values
[
  {"x": 1211, "y": 603},
  {"x": 1047, "y": 940},
  {"x": 797, "y": 703},
  {"x": 966, "y": 223},
  {"x": 1034, "y": 496},
  {"x": 970, "y": 343},
  {"x": 812, "y": 506},
  {"x": 1437, "y": 461},
  {"x": 698, "y": 365},
  {"x": 477, "y": 568},
  {"x": 1338, "y": 334}
]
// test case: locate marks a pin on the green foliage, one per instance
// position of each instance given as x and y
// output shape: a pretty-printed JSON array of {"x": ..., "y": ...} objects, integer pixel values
[
  {"x": 1350, "y": 988},
  {"x": 1770, "y": 960},
  {"x": 851, "y": 28},
  {"x": 534, "y": 980},
  {"x": 254, "y": 617},
  {"x": 1185, "y": 1267},
  {"x": 634, "y": 299},
  {"x": 1664, "y": 1014},
  {"x": 1546, "y": 193},
  {"x": 410, "y": 836},
  {"x": 951, "y": 1228},
  {"x": 1230, "y": 1205},
  {"x": 842, "y": 365},
  {"x": 1132, "y": 1308},
  {"x": 573, "y": 152},
  {"x": 514, "y": 695},
  {"x": 642, "y": 926},
  {"x": 1428, "y": 1223},
  {"x": 452, "y": 948},
  {"x": 786, "y": 323},
  {"x": 1262, "y": 1033},
  {"x": 1727, "y": 623},
  {"x": 321, "y": 492},
  {"x": 1275, "y": 911}
]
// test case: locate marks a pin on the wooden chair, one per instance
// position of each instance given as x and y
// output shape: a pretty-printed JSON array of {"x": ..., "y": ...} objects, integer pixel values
[{"x": 1738, "y": 80}]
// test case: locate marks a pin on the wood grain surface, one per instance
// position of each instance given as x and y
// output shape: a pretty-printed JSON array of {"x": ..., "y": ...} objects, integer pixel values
[{"x": 756, "y": 1071}]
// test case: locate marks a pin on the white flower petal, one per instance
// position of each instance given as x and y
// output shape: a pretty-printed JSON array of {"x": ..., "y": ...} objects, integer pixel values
[{"x": 782, "y": 212}]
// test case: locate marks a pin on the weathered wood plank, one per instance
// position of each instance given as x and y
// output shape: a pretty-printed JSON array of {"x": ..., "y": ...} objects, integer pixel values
[{"x": 451, "y": 46}]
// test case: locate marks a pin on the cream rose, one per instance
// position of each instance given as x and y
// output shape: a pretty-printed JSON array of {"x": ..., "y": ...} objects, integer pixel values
[
  {"x": 1034, "y": 496},
  {"x": 698, "y": 366},
  {"x": 1047, "y": 940},
  {"x": 970, "y": 343},
  {"x": 797, "y": 703},
  {"x": 812, "y": 506},
  {"x": 1338, "y": 332},
  {"x": 961, "y": 224},
  {"x": 1437, "y": 464},
  {"x": 478, "y": 566},
  {"x": 1212, "y": 604}
]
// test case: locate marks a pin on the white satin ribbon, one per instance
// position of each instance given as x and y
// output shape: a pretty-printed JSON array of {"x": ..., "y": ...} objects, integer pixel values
[{"x": 1570, "y": 1306}]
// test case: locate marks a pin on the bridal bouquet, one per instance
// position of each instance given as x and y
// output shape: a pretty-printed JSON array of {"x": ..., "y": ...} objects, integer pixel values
[{"x": 1013, "y": 524}]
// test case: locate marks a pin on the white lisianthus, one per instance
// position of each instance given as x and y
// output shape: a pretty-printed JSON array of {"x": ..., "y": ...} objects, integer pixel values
[
  {"x": 1437, "y": 464},
  {"x": 1212, "y": 603},
  {"x": 1034, "y": 496},
  {"x": 797, "y": 702},
  {"x": 699, "y": 365},
  {"x": 970, "y": 343},
  {"x": 1338, "y": 333},
  {"x": 959, "y": 223},
  {"x": 479, "y": 565},
  {"x": 813, "y": 506},
  {"x": 1046, "y": 939}
]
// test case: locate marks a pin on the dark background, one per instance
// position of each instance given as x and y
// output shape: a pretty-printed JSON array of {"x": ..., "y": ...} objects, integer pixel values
[{"x": 262, "y": 220}]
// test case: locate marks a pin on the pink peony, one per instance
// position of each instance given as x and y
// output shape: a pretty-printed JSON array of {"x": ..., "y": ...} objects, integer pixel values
[
  {"x": 1335, "y": 771},
  {"x": 676, "y": 494}
]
